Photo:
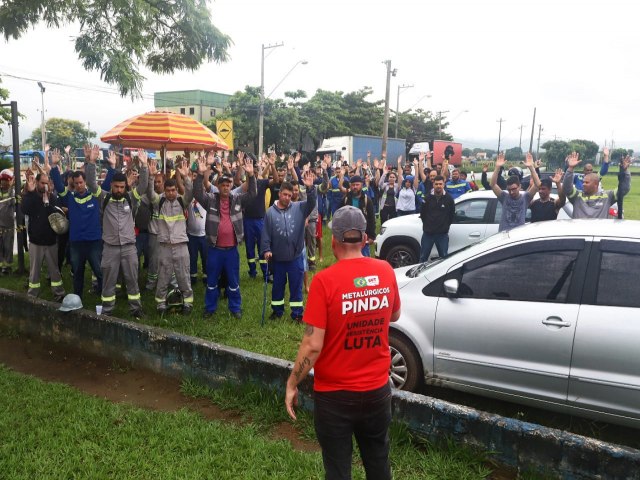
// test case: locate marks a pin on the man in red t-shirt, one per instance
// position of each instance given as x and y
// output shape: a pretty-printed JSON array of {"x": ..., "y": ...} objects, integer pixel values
[{"x": 346, "y": 339}]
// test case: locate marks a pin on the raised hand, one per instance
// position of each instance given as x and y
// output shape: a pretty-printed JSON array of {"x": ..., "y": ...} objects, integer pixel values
[
  {"x": 248, "y": 166},
  {"x": 626, "y": 161},
  {"x": 376, "y": 163},
  {"x": 31, "y": 183},
  {"x": 400, "y": 161},
  {"x": 182, "y": 168},
  {"x": 308, "y": 177},
  {"x": 203, "y": 164},
  {"x": 421, "y": 156},
  {"x": 86, "y": 148},
  {"x": 112, "y": 159},
  {"x": 95, "y": 153},
  {"x": 573, "y": 160},
  {"x": 359, "y": 163},
  {"x": 605, "y": 154},
  {"x": 132, "y": 176},
  {"x": 305, "y": 167},
  {"x": 485, "y": 167},
  {"x": 290, "y": 163},
  {"x": 143, "y": 157},
  {"x": 528, "y": 162},
  {"x": 153, "y": 166},
  {"x": 67, "y": 149},
  {"x": 558, "y": 175},
  {"x": 55, "y": 157},
  {"x": 501, "y": 160}
]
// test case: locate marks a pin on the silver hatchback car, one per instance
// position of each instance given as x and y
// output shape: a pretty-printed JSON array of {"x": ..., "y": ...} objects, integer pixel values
[{"x": 546, "y": 315}]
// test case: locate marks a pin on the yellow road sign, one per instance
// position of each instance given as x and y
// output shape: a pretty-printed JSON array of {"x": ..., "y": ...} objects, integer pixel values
[{"x": 225, "y": 131}]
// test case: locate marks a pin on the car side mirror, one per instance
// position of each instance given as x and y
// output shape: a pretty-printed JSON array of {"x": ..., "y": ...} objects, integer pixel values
[{"x": 451, "y": 287}]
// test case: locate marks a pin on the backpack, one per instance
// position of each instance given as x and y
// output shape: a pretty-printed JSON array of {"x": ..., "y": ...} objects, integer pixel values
[
  {"x": 107, "y": 197},
  {"x": 180, "y": 201},
  {"x": 143, "y": 216}
]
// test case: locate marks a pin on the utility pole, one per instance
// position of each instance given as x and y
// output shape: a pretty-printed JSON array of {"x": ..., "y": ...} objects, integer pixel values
[
  {"x": 500, "y": 132},
  {"x": 261, "y": 112},
  {"x": 43, "y": 131},
  {"x": 398, "y": 105},
  {"x": 520, "y": 144},
  {"x": 17, "y": 186},
  {"x": 440, "y": 122},
  {"x": 385, "y": 124},
  {"x": 533, "y": 126},
  {"x": 539, "y": 133}
]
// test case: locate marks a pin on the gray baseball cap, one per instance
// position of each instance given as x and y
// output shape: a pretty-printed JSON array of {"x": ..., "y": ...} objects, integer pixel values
[{"x": 347, "y": 219}]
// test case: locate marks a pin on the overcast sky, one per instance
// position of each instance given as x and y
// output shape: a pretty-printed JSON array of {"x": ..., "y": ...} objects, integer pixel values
[{"x": 576, "y": 61}]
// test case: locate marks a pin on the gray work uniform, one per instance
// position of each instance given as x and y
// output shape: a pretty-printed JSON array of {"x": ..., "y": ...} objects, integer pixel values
[
  {"x": 173, "y": 250},
  {"x": 595, "y": 206},
  {"x": 7, "y": 227},
  {"x": 154, "y": 259},
  {"x": 119, "y": 246}
]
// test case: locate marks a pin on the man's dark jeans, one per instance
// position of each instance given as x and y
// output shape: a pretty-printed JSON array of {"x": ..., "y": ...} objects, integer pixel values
[
  {"x": 82, "y": 252},
  {"x": 341, "y": 414},
  {"x": 441, "y": 241}
]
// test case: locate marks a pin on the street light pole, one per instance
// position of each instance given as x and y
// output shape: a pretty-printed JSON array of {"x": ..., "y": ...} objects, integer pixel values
[
  {"x": 43, "y": 132},
  {"x": 500, "y": 133},
  {"x": 385, "y": 124},
  {"x": 299, "y": 62},
  {"x": 400, "y": 87},
  {"x": 261, "y": 112},
  {"x": 440, "y": 123}
]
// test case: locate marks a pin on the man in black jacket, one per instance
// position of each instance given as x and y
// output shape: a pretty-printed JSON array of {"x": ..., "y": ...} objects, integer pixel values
[
  {"x": 437, "y": 214},
  {"x": 39, "y": 203},
  {"x": 355, "y": 197}
]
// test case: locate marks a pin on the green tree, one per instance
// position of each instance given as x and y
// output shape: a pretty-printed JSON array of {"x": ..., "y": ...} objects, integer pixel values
[
  {"x": 5, "y": 113},
  {"x": 619, "y": 153},
  {"x": 420, "y": 126},
  {"x": 60, "y": 133},
  {"x": 556, "y": 152},
  {"x": 117, "y": 37},
  {"x": 514, "y": 154},
  {"x": 589, "y": 149}
]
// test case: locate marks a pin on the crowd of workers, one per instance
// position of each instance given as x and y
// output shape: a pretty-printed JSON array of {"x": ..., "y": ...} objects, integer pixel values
[{"x": 204, "y": 208}]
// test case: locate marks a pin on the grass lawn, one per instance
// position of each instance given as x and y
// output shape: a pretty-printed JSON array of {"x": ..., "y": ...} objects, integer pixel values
[{"x": 49, "y": 430}]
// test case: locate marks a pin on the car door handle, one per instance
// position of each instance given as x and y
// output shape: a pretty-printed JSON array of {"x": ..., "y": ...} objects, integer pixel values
[
  {"x": 474, "y": 234},
  {"x": 556, "y": 322}
]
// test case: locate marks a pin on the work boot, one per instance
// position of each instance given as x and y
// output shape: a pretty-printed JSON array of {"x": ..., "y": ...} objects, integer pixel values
[
  {"x": 237, "y": 315},
  {"x": 137, "y": 314},
  {"x": 187, "y": 309},
  {"x": 275, "y": 315}
]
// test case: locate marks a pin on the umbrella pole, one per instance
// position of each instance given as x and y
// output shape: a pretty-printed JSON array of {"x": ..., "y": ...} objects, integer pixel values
[{"x": 164, "y": 161}]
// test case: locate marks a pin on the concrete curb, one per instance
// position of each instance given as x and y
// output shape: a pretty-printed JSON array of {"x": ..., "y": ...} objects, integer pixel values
[{"x": 522, "y": 445}]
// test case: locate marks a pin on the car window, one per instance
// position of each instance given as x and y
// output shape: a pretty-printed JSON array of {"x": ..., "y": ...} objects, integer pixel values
[
  {"x": 535, "y": 277},
  {"x": 617, "y": 283},
  {"x": 496, "y": 217},
  {"x": 471, "y": 211}
]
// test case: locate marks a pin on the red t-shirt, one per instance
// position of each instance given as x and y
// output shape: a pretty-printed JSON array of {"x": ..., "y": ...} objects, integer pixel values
[
  {"x": 226, "y": 234},
  {"x": 353, "y": 301}
]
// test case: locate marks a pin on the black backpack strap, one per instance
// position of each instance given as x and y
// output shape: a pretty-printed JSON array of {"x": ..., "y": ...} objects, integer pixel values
[{"x": 107, "y": 198}]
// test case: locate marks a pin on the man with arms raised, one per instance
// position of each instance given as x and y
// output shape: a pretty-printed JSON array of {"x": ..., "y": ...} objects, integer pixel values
[
  {"x": 589, "y": 203},
  {"x": 514, "y": 202},
  {"x": 346, "y": 341}
]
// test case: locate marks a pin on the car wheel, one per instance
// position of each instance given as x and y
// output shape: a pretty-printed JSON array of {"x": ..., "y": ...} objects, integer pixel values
[
  {"x": 401, "y": 256},
  {"x": 405, "y": 371}
]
